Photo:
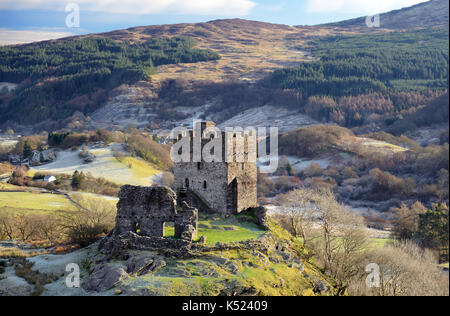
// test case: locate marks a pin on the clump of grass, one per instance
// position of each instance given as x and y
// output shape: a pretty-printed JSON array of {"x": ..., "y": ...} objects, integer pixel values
[
  {"x": 23, "y": 269},
  {"x": 6, "y": 252}
]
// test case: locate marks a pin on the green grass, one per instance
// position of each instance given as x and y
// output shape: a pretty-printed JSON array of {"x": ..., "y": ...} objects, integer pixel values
[
  {"x": 123, "y": 170},
  {"x": 215, "y": 231},
  {"x": 8, "y": 187},
  {"x": 379, "y": 242},
  {"x": 139, "y": 168},
  {"x": 33, "y": 201}
]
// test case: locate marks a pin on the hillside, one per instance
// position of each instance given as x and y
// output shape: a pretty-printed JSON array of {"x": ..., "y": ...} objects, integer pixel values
[
  {"x": 219, "y": 70},
  {"x": 247, "y": 261},
  {"x": 430, "y": 14}
]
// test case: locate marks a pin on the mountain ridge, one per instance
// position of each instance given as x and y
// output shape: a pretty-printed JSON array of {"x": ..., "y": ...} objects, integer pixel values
[{"x": 430, "y": 14}]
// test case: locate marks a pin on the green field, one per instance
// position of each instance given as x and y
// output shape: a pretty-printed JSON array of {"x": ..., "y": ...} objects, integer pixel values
[
  {"x": 379, "y": 242},
  {"x": 223, "y": 230},
  {"x": 33, "y": 201}
]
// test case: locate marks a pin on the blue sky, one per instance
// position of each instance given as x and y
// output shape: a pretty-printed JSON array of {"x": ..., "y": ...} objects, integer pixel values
[{"x": 29, "y": 20}]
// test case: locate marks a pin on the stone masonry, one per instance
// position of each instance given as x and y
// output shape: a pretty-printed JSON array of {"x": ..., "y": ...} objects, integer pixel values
[
  {"x": 145, "y": 210},
  {"x": 220, "y": 187}
]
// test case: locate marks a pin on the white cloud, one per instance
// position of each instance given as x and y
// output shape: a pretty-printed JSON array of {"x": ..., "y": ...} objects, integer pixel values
[
  {"x": 196, "y": 7},
  {"x": 11, "y": 37},
  {"x": 357, "y": 6}
]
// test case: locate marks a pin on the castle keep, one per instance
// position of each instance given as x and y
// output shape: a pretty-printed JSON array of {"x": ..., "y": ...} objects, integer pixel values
[{"x": 227, "y": 186}]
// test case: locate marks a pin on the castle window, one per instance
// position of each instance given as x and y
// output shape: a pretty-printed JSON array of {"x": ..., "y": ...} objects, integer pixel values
[
  {"x": 199, "y": 165},
  {"x": 205, "y": 185},
  {"x": 187, "y": 183},
  {"x": 242, "y": 166}
]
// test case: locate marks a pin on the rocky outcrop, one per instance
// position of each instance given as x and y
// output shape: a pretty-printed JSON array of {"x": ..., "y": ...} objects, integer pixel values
[
  {"x": 105, "y": 277},
  {"x": 143, "y": 265}
]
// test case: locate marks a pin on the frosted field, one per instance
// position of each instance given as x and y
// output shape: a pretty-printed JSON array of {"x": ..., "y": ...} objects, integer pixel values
[
  {"x": 7, "y": 142},
  {"x": 269, "y": 116},
  {"x": 130, "y": 171},
  {"x": 376, "y": 144}
]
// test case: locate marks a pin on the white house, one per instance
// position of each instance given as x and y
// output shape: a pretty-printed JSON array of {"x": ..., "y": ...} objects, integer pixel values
[{"x": 49, "y": 179}]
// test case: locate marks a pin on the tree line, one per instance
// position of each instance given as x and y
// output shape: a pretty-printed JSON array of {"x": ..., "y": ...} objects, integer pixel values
[
  {"x": 69, "y": 68},
  {"x": 363, "y": 64}
]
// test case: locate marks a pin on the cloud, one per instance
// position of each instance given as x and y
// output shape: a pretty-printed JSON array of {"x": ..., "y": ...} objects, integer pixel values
[
  {"x": 11, "y": 37},
  {"x": 357, "y": 6},
  {"x": 194, "y": 7}
]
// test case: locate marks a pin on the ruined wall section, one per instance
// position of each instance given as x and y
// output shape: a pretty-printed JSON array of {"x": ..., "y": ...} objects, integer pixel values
[
  {"x": 145, "y": 209},
  {"x": 246, "y": 175}
]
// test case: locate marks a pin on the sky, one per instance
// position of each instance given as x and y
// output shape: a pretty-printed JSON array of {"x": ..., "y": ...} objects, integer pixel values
[{"x": 24, "y": 21}]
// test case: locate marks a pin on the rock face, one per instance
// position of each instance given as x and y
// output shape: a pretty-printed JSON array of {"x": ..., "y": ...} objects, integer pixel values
[{"x": 104, "y": 277}]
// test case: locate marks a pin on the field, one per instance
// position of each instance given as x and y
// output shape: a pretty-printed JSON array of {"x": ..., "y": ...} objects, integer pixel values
[
  {"x": 128, "y": 170},
  {"x": 223, "y": 230},
  {"x": 7, "y": 187},
  {"x": 33, "y": 201}
]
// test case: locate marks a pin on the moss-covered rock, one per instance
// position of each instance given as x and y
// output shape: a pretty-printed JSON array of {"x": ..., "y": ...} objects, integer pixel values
[{"x": 274, "y": 264}]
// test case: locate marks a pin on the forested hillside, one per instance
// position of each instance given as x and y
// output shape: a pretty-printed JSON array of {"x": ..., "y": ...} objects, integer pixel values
[
  {"x": 54, "y": 73},
  {"x": 361, "y": 64},
  {"x": 360, "y": 76}
]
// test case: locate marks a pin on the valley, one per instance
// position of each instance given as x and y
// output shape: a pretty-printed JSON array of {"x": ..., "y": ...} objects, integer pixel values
[{"x": 362, "y": 163}]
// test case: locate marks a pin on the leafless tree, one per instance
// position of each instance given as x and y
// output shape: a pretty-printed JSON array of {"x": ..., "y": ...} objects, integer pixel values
[
  {"x": 299, "y": 209},
  {"x": 91, "y": 218},
  {"x": 404, "y": 270}
]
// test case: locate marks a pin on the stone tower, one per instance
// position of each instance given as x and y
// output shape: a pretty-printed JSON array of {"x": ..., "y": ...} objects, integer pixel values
[{"x": 227, "y": 186}]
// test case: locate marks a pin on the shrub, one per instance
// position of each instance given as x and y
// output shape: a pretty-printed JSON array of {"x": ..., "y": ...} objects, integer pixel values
[
  {"x": 150, "y": 151},
  {"x": 92, "y": 219}
]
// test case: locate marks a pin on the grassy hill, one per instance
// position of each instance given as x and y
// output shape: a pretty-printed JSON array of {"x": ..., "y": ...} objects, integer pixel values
[
  {"x": 429, "y": 14},
  {"x": 266, "y": 263}
]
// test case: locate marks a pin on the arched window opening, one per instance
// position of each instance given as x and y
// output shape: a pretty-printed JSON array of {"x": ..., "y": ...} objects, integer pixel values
[
  {"x": 187, "y": 183},
  {"x": 205, "y": 185},
  {"x": 137, "y": 228}
]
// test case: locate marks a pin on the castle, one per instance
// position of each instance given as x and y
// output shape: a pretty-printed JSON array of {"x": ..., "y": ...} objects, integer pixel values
[{"x": 227, "y": 186}]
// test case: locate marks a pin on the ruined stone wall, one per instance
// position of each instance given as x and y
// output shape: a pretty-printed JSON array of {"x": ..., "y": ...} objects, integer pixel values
[
  {"x": 145, "y": 209},
  {"x": 246, "y": 175},
  {"x": 186, "y": 223}
]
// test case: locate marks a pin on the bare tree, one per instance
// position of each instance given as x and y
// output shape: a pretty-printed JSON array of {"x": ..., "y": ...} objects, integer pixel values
[
  {"x": 25, "y": 226},
  {"x": 6, "y": 226},
  {"x": 404, "y": 270},
  {"x": 336, "y": 235},
  {"x": 406, "y": 220},
  {"x": 299, "y": 209},
  {"x": 92, "y": 217}
]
